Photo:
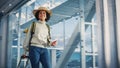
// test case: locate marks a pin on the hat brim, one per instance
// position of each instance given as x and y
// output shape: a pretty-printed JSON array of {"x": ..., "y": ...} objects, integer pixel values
[{"x": 48, "y": 11}]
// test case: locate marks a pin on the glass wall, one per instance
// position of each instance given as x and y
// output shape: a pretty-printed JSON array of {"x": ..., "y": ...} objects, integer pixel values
[
  {"x": 0, "y": 31},
  {"x": 19, "y": 18},
  {"x": 62, "y": 32},
  {"x": 91, "y": 47}
]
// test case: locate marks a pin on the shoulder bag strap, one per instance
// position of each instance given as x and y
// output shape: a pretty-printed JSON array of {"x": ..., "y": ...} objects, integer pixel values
[{"x": 32, "y": 31}]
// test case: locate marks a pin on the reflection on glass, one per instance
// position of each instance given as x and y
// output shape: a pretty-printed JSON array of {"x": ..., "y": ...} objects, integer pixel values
[
  {"x": 74, "y": 61},
  {"x": 58, "y": 54},
  {"x": 14, "y": 57},
  {"x": 29, "y": 10},
  {"x": 96, "y": 46},
  {"x": 96, "y": 61},
  {"x": 88, "y": 38},
  {"x": 62, "y": 31},
  {"x": 22, "y": 65},
  {"x": 89, "y": 61},
  {"x": 23, "y": 15},
  {"x": 21, "y": 51}
]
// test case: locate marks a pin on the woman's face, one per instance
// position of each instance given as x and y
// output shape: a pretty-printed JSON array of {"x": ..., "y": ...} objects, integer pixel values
[{"x": 42, "y": 15}]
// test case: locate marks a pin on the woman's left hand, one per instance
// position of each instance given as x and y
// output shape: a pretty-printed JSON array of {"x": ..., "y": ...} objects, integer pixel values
[{"x": 54, "y": 43}]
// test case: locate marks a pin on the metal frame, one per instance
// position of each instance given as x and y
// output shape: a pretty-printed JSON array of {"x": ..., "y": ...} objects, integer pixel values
[{"x": 82, "y": 33}]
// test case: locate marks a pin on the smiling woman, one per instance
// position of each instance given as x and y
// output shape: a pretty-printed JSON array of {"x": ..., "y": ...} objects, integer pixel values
[{"x": 38, "y": 40}]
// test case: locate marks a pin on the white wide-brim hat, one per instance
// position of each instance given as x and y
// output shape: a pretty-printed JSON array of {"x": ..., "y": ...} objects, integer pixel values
[{"x": 43, "y": 9}]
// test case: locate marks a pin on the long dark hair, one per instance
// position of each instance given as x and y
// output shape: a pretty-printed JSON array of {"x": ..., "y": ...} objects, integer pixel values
[{"x": 47, "y": 15}]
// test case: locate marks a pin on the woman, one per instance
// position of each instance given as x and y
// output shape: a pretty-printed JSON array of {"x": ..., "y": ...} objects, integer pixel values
[{"x": 39, "y": 42}]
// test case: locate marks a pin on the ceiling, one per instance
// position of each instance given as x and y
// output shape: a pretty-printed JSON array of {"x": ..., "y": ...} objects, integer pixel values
[{"x": 7, "y": 6}]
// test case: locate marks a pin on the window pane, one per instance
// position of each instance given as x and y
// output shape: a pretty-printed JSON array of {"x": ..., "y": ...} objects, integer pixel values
[
  {"x": 14, "y": 57},
  {"x": 74, "y": 61},
  {"x": 89, "y": 61},
  {"x": 88, "y": 38}
]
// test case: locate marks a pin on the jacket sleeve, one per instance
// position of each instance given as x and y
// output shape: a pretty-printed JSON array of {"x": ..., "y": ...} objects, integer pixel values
[{"x": 26, "y": 41}]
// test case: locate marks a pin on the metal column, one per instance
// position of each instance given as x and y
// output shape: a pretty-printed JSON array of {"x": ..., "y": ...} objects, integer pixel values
[
  {"x": 3, "y": 44},
  {"x": 18, "y": 23},
  {"x": 118, "y": 28},
  {"x": 106, "y": 17},
  {"x": 82, "y": 34},
  {"x": 110, "y": 38},
  {"x": 93, "y": 42},
  {"x": 100, "y": 35}
]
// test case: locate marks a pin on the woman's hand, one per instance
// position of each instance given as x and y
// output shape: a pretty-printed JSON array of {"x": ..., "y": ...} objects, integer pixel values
[{"x": 54, "y": 43}]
